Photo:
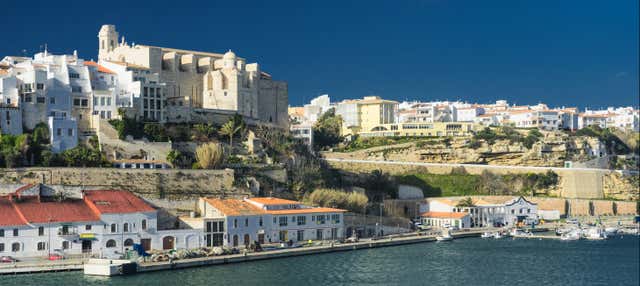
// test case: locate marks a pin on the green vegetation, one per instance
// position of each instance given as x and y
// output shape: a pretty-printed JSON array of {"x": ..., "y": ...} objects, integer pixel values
[
  {"x": 333, "y": 198},
  {"x": 360, "y": 143},
  {"x": 490, "y": 136},
  {"x": 232, "y": 127},
  {"x": 610, "y": 139},
  {"x": 156, "y": 132},
  {"x": 326, "y": 131},
  {"x": 209, "y": 155},
  {"x": 460, "y": 183}
]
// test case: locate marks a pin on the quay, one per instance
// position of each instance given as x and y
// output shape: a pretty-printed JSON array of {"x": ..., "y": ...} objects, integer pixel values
[{"x": 80, "y": 264}]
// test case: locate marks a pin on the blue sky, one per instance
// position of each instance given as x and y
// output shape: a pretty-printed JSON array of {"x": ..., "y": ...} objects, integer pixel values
[{"x": 574, "y": 53}]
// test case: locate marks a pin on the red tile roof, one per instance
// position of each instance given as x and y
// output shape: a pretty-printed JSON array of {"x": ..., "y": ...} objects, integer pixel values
[
  {"x": 9, "y": 216},
  {"x": 444, "y": 215},
  {"x": 273, "y": 201},
  {"x": 111, "y": 201},
  {"x": 101, "y": 68},
  {"x": 35, "y": 211},
  {"x": 305, "y": 211},
  {"x": 25, "y": 209},
  {"x": 234, "y": 207}
]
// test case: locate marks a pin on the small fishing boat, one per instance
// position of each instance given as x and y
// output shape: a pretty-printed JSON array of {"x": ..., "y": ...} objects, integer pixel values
[
  {"x": 571, "y": 235},
  {"x": 487, "y": 235}
]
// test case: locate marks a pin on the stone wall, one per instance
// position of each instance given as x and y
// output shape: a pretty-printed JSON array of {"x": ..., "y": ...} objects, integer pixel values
[
  {"x": 171, "y": 184},
  {"x": 574, "y": 183}
]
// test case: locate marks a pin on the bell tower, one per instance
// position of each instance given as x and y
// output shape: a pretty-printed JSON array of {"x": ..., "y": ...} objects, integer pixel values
[{"x": 107, "y": 40}]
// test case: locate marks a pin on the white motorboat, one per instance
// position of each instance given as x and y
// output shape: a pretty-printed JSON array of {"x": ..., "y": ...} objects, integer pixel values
[
  {"x": 571, "y": 235},
  {"x": 594, "y": 233},
  {"x": 497, "y": 235},
  {"x": 445, "y": 236},
  {"x": 610, "y": 231},
  {"x": 487, "y": 235}
]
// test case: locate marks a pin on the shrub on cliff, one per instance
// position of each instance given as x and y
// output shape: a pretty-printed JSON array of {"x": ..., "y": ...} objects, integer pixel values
[
  {"x": 334, "y": 198},
  {"x": 210, "y": 155}
]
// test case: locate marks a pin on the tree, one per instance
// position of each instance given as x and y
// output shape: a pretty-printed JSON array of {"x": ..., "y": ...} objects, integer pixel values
[
  {"x": 233, "y": 126},
  {"x": 379, "y": 186},
  {"x": 326, "y": 131},
  {"x": 465, "y": 203},
  {"x": 202, "y": 132},
  {"x": 209, "y": 155}
]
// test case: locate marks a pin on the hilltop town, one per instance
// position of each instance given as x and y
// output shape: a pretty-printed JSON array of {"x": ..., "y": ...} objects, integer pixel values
[{"x": 148, "y": 150}]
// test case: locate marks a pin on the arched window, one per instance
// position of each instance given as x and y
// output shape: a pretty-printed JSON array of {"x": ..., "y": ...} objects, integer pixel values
[
  {"x": 125, "y": 227},
  {"x": 114, "y": 227},
  {"x": 111, "y": 243},
  {"x": 128, "y": 242},
  {"x": 144, "y": 224},
  {"x": 15, "y": 247},
  {"x": 42, "y": 245}
]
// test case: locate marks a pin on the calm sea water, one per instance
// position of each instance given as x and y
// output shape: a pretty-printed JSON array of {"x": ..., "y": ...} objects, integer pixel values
[{"x": 461, "y": 262}]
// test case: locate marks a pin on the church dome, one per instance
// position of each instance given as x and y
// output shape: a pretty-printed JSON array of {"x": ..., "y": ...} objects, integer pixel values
[{"x": 229, "y": 55}]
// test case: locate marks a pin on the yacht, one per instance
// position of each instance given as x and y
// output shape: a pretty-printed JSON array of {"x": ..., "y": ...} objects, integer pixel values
[
  {"x": 594, "y": 233},
  {"x": 487, "y": 235},
  {"x": 610, "y": 231},
  {"x": 497, "y": 235}
]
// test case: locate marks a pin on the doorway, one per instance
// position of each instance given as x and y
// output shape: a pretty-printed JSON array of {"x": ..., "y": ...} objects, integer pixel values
[
  {"x": 168, "y": 242},
  {"x": 86, "y": 246},
  {"x": 146, "y": 244}
]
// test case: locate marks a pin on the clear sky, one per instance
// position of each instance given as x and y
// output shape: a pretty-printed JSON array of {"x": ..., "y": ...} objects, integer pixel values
[{"x": 574, "y": 53}]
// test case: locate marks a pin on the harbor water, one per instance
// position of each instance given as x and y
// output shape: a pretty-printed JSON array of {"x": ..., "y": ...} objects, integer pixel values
[{"x": 471, "y": 261}]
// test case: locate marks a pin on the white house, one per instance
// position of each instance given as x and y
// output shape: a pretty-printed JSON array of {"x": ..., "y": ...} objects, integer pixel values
[
  {"x": 486, "y": 211},
  {"x": 235, "y": 222},
  {"x": 36, "y": 221}
]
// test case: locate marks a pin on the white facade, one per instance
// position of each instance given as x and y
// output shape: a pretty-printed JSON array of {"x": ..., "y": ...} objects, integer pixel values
[
  {"x": 234, "y": 223},
  {"x": 63, "y": 133},
  {"x": 484, "y": 213},
  {"x": 93, "y": 223}
]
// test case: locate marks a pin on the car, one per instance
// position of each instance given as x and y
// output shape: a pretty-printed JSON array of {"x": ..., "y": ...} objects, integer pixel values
[
  {"x": 453, "y": 228},
  {"x": 56, "y": 255},
  {"x": 7, "y": 259},
  {"x": 423, "y": 227}
]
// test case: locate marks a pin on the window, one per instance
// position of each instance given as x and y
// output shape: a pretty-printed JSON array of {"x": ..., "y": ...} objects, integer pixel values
[
  {"x": 52, "y": 100},
  {"x": 128, "y": 242},
  {"x": 59, "y": 131},
  {"x": 15, "y": 247},
  {"x": 114, "y": 227},
  {"x": 320, "y": 219},
  {"x": 65, "y": 245},
  {"x": 87, "y": 227},
  {"x": 125, "y": 227},
  {"x": 108, "y": 114},
  {"x": 76, "y": 101},
  {"x": 41, "y": 246},
  {"x": 260, "y": 221},
  {"x": 513, "y": 211},
  {"x": 300, "y": 236},
  {"x": 335, "y": 218},
  {"x": 221, "y": 226},
  {"x": 74, "y": 75},
  {"x": 111, "y": 243},
  {"x": 283, "y": 220},
  {"x": 76, "y": 88},
  {"x": 15, "y": 232},
  {"x": 27, "y": 98},
  {"x": 41, "y": 231},
  {"x": 144, "y": 224},
  {"x": 85, "y": 102},
  {"x": 109, "y": 101},
  {"x": 70, "y": 132},
  {"x": 302, "y": 220},
  {"x": 40, "y": 99},
  {"x": 246, "y": 222},
  {"x": 39, "y": 86},
  {"x": 102, "y": 101},
  {"x": 1, "y": 232},
  {"x": 235, "y": 223},
  {"x": 1, "y": 247}
]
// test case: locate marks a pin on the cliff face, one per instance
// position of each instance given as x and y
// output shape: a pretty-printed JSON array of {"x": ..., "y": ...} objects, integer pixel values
[
  {"x": 619, "y": 187},
  {"x": 551, "y": 151}
]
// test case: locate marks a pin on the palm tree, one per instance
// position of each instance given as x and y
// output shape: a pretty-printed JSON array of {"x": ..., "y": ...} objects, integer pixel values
[{"x": 230, "y": 129}]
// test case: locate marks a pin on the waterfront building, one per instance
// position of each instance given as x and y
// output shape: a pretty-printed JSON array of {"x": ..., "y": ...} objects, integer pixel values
[
  {"x": 202, "y": 85},
  {"x": 36, "y": 220},
  {"x": 487, "y": 211},
  {"x": 241, "y": 222},
  {"x": 446, "y": 219}
]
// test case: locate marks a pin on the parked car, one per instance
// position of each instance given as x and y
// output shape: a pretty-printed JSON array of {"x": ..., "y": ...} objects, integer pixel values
[
  {"x": 56, "y": 255},
  {"x": 7, "y": 259}
]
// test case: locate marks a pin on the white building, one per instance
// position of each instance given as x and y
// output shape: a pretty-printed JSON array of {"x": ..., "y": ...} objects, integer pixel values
[
  {"x": 236, "y": 222},
  {"x": 303, "y": 132},
  {"x": 468, "y": 114},
  {"x": 487, "y": 211},
  {"x": 446, "y": 219},
  {"x": 100, "y": 223}
]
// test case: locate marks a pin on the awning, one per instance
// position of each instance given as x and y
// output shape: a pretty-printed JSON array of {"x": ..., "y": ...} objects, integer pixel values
[{"x": 88, "y": 236}]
